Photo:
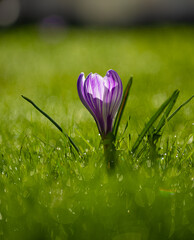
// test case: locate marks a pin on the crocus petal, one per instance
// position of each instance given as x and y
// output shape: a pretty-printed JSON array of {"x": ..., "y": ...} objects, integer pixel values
[
  {"x": 93, "y": 91},
  {"x": 80, "y": 88},
  {"x": 102, "y": 97},
  {"x": 113, "y": 96},
  {"x": 116, "y": 89},
  {"x": 95, "y": 86}
]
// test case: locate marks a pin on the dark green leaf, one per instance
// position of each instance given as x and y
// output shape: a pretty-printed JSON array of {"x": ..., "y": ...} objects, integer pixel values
[
  {"x": 56, "y": 124},
  {"x": 163, "y": 119},
  {"x": 182, "y": 105},
  {"x": 122, "y": 107},
  {"x": 152, "y": 120}
]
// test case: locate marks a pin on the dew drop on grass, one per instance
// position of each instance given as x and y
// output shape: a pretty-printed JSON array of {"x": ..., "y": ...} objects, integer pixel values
[
  {"x": 101, "y": 165},
  {"x": 71, "y": 211},
  {"x": 135, "y": 167},
  {"x": 162, "y": 160},
  {"x": 73, "y": 135},
  {"x": 79, "y": 177},
  {"x": 120, "y": 177},
  {"x": 82, "y": 164},
  {"x": 68, "y": 183},
  {"x": 190, "y": 140},
  {"x": 148, "y": 163}
]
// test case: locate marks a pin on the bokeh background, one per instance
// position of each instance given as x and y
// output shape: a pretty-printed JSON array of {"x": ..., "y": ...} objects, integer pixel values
[{"x": 87, "y": 12}]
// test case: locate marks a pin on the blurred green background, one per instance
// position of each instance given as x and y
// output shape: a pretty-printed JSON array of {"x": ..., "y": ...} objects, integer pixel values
[{"x": 44, "y": 66}]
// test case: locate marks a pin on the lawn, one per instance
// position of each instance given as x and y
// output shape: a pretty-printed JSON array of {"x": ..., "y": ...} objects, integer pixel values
[{"x": 47, "y": 191}]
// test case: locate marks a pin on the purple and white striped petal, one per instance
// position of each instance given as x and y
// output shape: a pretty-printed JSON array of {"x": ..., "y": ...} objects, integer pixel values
[
  {"x": 80, "y": 88},
  {"x": 102, "y": 97},
  {"x": 116, "y": 91}
]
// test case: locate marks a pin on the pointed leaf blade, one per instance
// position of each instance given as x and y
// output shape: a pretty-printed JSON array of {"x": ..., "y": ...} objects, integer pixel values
[
  {"x": 151, "y": 121},
  {"x": 163, "y": 119},
  {"x": 179, "y": 108},
  {"x": 122, "y": 107},
  {"x": 53, "y": 122}
]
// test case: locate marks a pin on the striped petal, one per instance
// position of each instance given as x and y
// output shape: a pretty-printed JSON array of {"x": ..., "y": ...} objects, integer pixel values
[
  {"x": 80, "y": 88},
  {"x": 116, "y": 89},
  {"x": 102, "y": 97}
]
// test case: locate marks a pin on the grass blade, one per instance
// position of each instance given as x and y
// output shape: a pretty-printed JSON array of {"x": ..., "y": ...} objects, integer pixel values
[
  {"x": 163, "y": 120},
  {"x": 53, "y": 122},
  {"x": 122, "y": 107},
  {"x": 86, "y": 141},
  {"x": 182, "y": 105},
  {"x": 126, "y": 126},
  {"x": 152, "y": 120}
]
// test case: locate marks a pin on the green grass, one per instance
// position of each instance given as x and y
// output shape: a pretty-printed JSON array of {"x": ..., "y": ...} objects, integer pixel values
[{"x": 46, "y": 190}]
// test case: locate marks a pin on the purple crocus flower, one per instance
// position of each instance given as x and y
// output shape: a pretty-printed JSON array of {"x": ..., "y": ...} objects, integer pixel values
[{"x": 102, "y": 97}]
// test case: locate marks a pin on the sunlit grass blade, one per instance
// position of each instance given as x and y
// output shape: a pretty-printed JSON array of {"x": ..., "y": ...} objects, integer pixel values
[
  {"x": 126, "y": 126},
  {"x": 190, "y": 155},
  {"x": 53, "y": 122},
  {"x": 122, "y": 107},
  {"x": 152, "y": 120},
  {"x": 164, "y": 118},
  {"x": 182, "y": 105},
  {"x": 86, "y": 141}
]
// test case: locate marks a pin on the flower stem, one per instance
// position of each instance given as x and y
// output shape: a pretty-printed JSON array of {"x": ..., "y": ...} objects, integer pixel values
[{"x": 110, "y": 151}]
